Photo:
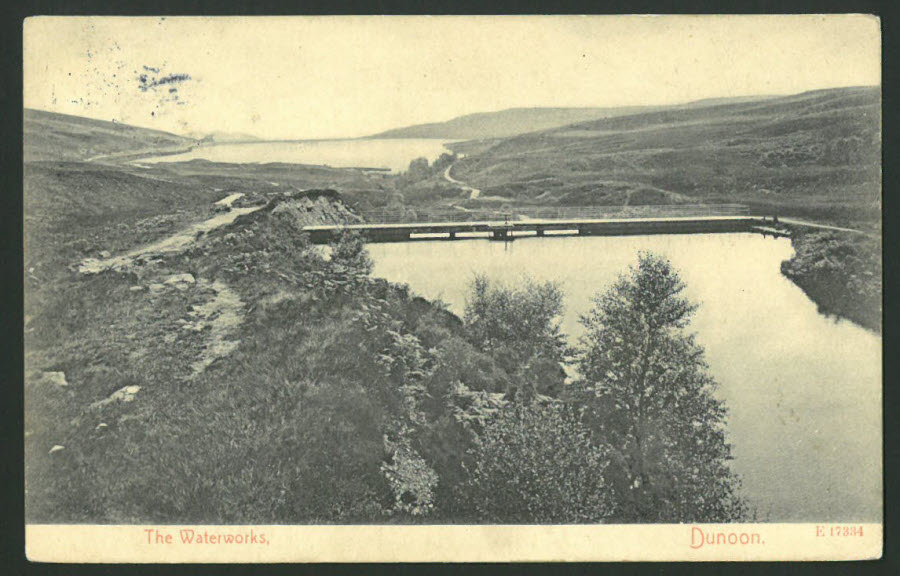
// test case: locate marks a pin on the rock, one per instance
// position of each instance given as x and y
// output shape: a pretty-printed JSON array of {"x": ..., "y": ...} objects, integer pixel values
[
  {"x": 156, "y": 288},
  {"x": 181, "y": 281},
  {"x": 195, "y": 326},
  {"x": 178, "y": 278},
  {"x": 56, "y": 378},
  {"x": 56, "y": 448},
  {"x": 125, "y": 394},
  {"x": 101, "y": 426},
  {"x": 136, "y": 289},
  {"x": 105, "y": 254}
]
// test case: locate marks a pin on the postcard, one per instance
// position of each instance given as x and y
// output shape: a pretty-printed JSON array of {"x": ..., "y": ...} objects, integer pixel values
[{"x": 478, "y": 289}]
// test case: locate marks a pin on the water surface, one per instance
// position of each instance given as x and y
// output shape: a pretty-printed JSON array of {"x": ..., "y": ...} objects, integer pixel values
[{"x": 803, "y": 389}]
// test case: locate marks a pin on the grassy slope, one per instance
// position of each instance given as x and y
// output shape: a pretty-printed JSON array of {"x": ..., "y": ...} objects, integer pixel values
[
  {"x": 815, "y": 154},
  {"x": 75, "y": 208},
  {"x": 508, "y": 123},
  {"x": 52, "y": 136},
  {"x": 111, "y": 330}
]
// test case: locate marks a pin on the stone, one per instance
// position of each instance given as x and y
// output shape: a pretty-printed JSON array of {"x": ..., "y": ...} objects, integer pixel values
[
  {"x": 56, "y": 378},
  {"x": 56, "y": 448},
  {"x": 136, "y": 288},
  {"x": 180, "y": 281},
  {"x": 156, "y": 288},
  {"x": 125, "y": 394},
  {"x": 105, "y": 254}
]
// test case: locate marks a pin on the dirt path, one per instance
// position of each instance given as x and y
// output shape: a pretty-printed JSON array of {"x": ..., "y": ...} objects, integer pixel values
[
  {"x": 473, "y": 192},
  {"x": 174, "y": 243}
]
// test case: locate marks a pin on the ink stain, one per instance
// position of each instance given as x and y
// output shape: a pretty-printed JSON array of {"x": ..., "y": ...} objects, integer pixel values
[{"x": 147, "y": 83}]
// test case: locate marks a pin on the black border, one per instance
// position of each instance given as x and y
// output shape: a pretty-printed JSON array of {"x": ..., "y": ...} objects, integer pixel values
[{"x": 12, "y": 536}]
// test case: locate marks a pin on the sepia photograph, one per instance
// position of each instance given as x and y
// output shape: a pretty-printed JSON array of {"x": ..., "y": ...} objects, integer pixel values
[{"x": 407, "y": 288}]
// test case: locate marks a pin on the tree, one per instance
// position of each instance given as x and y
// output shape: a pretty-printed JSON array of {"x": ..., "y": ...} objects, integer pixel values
[
  {"x": 443, "y": 161},
  {"x": 519, "y": 328},
  {"x": 536, "y": 463},
  {"x": 418, "y": 169},
  {"x": 349, "y": 252},
  {"x": 648, "y": 396}
]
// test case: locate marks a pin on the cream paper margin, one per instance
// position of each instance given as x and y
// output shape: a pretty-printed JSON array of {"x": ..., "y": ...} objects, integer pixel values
[
  {"x": 636, "y": 542},
  {"x": 129, "y": 544}
]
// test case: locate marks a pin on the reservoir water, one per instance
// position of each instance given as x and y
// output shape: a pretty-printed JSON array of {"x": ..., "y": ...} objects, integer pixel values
[
  {"x": 803, "y": 390},
  {"x": 394, "y": 154}
]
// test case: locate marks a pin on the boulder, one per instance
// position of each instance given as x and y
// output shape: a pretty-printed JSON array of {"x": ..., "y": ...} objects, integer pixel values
[
  {"x": 55, "y": 378},
  {"x": 181, "y": 281}
]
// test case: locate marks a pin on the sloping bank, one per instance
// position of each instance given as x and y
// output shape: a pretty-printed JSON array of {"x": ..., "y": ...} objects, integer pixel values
[
  {"x": 247, "y": 376},
  {"x": 841, "y": 272}
]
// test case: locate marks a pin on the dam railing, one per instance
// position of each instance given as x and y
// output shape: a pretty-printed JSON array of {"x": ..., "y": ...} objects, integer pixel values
[{"x": 411, "y": 215}]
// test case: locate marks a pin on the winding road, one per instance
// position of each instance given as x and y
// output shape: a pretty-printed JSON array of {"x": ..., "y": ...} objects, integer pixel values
[{"x": 473, "y": 192}]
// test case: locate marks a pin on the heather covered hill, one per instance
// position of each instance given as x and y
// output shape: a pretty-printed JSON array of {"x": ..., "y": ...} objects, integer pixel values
[
  {"x": 504, "y": 123},
  {"x": 514, "y": 121},
  {"x": 52, "y": 136},
  {"x": 816, "y": 154}
]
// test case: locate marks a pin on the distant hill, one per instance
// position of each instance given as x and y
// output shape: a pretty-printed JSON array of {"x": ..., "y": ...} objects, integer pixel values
[
  {"x": 514, "y": 121},
  {"x": 52, "y": 136},
  {"x": 816, "y": 153},
  {"x": 502, "y": 124}
]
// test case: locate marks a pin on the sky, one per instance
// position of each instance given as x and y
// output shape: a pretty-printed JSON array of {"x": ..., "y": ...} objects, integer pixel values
[{"x": 334, "y": 77}]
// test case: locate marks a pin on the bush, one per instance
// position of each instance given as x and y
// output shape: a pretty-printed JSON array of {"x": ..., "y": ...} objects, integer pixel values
[{"x": 536, "y": 464}]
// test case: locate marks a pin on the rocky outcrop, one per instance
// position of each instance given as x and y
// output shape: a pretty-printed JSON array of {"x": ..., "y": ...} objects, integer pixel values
[{"x": 308, "y": 208}]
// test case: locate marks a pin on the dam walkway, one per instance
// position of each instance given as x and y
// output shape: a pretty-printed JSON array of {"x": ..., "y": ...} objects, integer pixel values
[{"x": 509, "y": 229}]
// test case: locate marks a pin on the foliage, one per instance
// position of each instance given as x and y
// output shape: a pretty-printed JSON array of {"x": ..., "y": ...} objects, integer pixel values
[
  {"x": 841, "y": 272},
  {"x": 350, "y": 252},
  {"x": 537, "y": 464},
  {"x": 411, "y": 480},
  {"x": 647, "y": 395},
  {"x": 519, "y": 328}
]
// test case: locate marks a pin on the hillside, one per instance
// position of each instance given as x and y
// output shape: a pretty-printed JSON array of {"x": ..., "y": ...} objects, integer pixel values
[
  {"x": 514, "y": 121},
  {"x": 52, "y": 136},
  {"x": 817, "y": 154},
  {"x": 503, "y": 124}
]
